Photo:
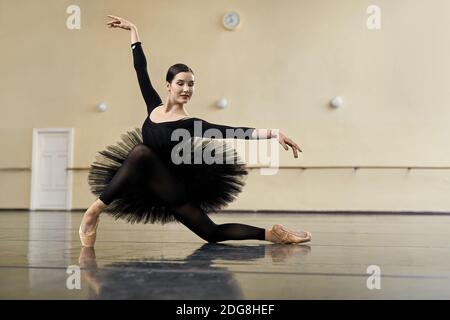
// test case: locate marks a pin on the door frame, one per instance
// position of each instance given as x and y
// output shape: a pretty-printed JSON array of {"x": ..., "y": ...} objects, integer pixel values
[{"x": 34, "y": 170}]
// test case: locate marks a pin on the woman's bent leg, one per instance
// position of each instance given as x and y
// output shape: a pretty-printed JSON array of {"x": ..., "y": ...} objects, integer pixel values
[{"x": 143, "y": 163}]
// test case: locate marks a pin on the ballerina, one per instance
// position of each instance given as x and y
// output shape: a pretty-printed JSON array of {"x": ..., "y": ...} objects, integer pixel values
[{"x": 137, "y": 179}]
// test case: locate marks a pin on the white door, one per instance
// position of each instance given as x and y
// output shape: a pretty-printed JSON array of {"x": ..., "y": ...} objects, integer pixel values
[{"x": 51, "y": 185}]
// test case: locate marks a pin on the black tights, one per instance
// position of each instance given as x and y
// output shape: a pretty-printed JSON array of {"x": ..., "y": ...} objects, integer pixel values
[{"x": 144, "y": 161}]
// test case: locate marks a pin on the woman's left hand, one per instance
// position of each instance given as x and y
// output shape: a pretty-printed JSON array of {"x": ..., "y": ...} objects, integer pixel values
[{"x": 285, "y": 142}]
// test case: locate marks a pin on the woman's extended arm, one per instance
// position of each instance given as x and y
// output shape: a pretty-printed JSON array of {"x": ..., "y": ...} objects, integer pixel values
[
  {"x": 282, "y": 139},
  {"x": 151, "y": 97},
  {"x": 247, "y": 133}
]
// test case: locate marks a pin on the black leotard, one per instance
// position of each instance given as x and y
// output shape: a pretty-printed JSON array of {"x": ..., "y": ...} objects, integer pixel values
[{"x": 158, "y": 135}]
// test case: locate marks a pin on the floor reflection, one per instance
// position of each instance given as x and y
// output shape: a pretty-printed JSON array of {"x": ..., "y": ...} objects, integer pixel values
[
  {"x": 48, "y": 244},
  {"x": 195, "y": 277}
]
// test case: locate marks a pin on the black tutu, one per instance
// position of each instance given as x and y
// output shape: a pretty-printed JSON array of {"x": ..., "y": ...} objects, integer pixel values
[{"x": 211, "y": 186}]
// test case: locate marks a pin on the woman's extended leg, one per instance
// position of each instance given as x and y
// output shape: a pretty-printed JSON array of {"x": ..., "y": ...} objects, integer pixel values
[
  {"x": 198, "y": 222},
  {"x": 193, "y": 217}
]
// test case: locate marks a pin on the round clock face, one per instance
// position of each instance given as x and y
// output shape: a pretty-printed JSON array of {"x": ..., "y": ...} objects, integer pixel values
[{"x": 231, "y": 20}]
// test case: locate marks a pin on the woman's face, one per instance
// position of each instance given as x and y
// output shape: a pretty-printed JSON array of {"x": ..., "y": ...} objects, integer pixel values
[{"x": 182, "y": 87}]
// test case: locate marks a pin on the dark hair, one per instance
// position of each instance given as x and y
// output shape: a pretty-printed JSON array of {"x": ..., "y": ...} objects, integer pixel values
[{"x": 176, "y": 69}]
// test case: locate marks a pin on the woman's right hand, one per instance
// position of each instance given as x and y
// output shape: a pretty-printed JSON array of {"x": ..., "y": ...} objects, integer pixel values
[{"x": 118, "y": 22}]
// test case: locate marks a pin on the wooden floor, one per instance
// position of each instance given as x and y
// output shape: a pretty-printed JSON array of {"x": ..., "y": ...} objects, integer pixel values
[{"x": 41, "y": 256}]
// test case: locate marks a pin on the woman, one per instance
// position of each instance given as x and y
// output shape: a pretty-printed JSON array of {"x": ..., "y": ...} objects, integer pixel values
[{"x": 137, "y": 179}]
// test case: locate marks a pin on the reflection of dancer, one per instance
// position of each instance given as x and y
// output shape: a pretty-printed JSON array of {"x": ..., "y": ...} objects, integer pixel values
[
  {"x": 147, "y": 279},
  {"x": 137, "y": 180}
]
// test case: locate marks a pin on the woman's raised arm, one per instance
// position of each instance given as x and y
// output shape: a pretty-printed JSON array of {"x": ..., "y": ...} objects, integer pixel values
[{"x": 151, "y": 97}]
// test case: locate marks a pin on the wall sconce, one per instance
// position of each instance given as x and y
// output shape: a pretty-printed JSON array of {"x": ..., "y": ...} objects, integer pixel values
[
  {"x": 336, "y": 102},
  {"x": 222, "y": 103},
  {"x": 102, "y": 107}
]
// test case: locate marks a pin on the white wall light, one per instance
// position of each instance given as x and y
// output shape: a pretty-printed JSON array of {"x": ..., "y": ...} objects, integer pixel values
[
  {"x": 102, "y": 107},
  {"x": 222, "y": 103},
  {"x": 337, "y": 102}
]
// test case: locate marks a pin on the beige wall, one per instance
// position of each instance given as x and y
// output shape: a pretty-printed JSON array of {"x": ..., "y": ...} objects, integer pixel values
[{"x": 279, "y": 70}]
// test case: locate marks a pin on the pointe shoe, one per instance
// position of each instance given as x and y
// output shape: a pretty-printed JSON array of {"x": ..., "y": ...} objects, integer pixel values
[
  {"x": 286, "y": 236},
  {"x": 88, "y": 239}
]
